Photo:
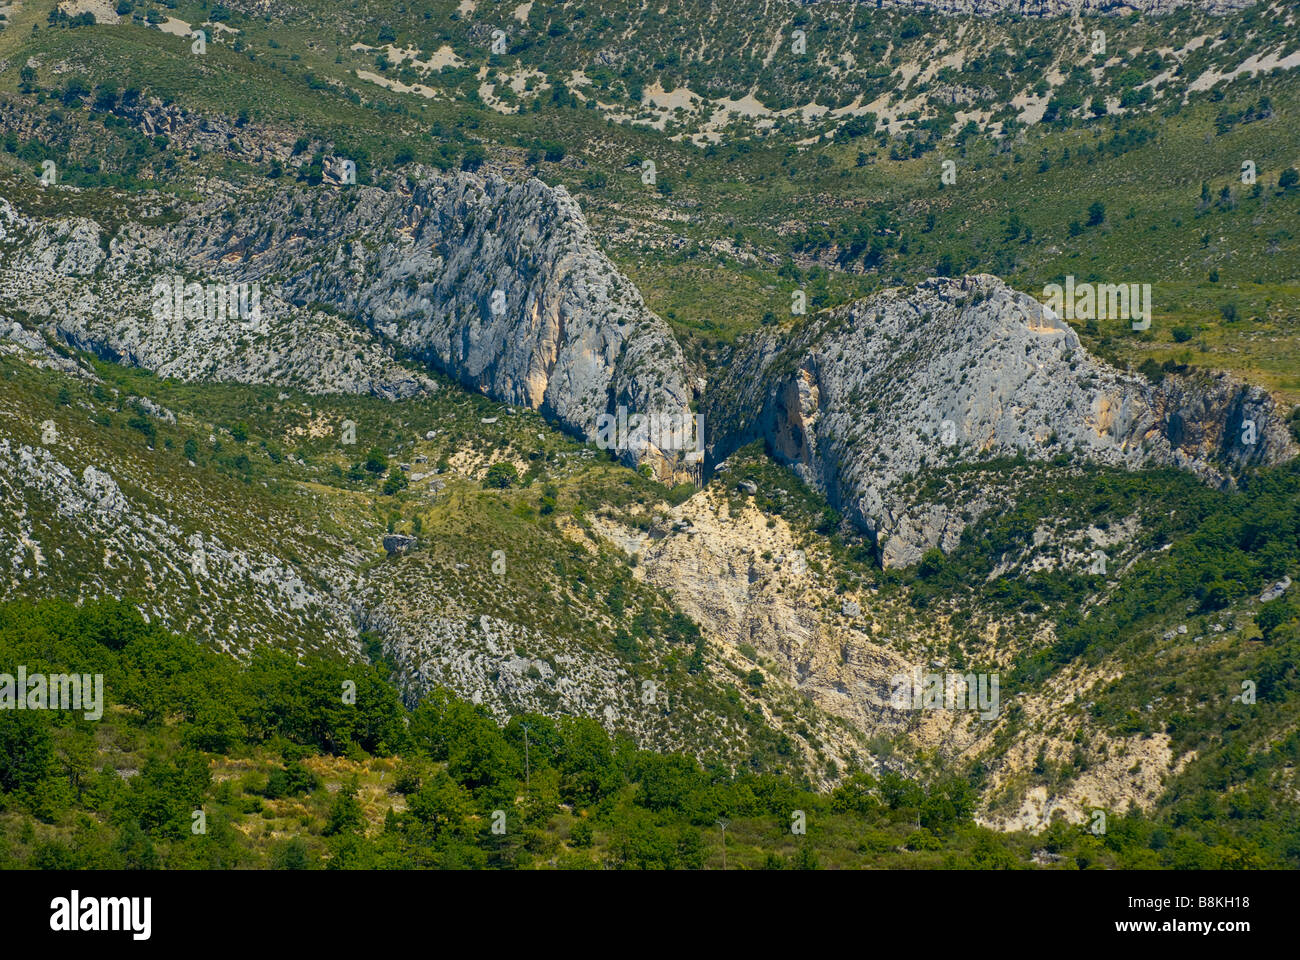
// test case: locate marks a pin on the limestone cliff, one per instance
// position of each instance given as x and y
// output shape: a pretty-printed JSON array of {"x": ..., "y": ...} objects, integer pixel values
[
  {"x": 500, "y": 286},
  {"x": 865, "y": 396}
]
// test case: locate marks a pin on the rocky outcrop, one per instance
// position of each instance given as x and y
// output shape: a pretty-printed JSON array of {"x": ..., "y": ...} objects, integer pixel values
[
  {"x": 866, "y": 396},
  {"x": 1276, "y": 590},
  {"x": 96, "y": 292},
  {"x": 109, "y": 528},
  {"x": 499, "y": 285},
  {"x": 396, "y": 544}
]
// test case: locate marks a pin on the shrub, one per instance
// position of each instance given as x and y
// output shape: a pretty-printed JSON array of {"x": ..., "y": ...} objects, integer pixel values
[{"x": 501, "y": 476}]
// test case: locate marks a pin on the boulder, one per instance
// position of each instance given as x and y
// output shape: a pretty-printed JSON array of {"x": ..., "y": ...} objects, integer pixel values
[
  {"x": 1275, "y": 591},
  {"x": 397, "y": 544}
]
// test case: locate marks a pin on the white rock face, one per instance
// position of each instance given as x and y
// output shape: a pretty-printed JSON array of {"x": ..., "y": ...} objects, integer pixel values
[
  {"x": 498, "y": 285},
  {"x": 502, "y": 287},
  {"x": 103, "y": 492},
  {"x": 957, "y": 371},
  {"x": 1276, "y": 590}
]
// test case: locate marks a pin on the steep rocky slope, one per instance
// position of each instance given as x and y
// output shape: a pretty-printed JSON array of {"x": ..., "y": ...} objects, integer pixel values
[
  {"x": 87, "y": 515},
  {"x": 503, "y": 288},
  {"x": 498, "y": 285},
  {"x": 95, "y": 290},
  {"x": 1058, "y": 8},
  {"x": 865, "y": 396},
  {"x": 256, "y": 537}
]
